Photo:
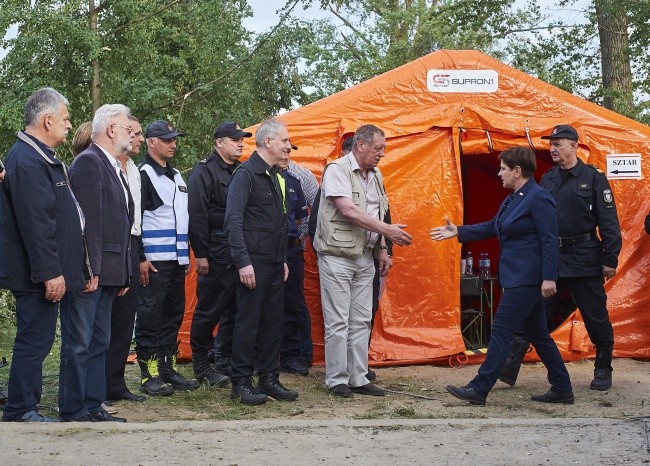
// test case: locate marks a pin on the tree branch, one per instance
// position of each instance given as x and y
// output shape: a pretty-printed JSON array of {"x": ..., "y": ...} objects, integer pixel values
[{"x": 140, "y": 20}]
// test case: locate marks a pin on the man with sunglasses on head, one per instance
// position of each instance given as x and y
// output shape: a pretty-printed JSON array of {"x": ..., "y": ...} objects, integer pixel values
[{"x": 164, "y": 262}]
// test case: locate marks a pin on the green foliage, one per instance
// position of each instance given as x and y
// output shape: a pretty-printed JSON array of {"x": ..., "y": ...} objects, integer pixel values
[{"x": 185, "y": 61}]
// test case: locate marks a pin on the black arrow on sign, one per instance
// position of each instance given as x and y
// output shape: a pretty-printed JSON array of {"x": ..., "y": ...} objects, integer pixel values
[{"x": 616, "y": 172}]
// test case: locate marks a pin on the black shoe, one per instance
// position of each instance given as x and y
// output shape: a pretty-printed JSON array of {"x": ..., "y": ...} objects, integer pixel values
[
  {"x": 602, "y": 380},
  {"x": 295, "y": 368},
  {"x": 205, "y": 373},
  {"x": 306, "y": 363},
  {"x": 467, "y": 394},
  {"x": 270, "y": 384},
  {"x": 213, "y": 378},
  {"x": 371, "y": 375},
  {"x": 341, "y": 390},
  {"x": 368, "y": 389},
  {"x": 127, "y": 395},
  {"x": 553, "y": 396},
  {"x": 244, "y": 392},
  {"x": 102, "y": 416},
  {"x": 156, "y": 387}
]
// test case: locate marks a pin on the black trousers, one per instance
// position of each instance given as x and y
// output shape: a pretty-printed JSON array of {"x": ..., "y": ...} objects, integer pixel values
[
  {"x": 260, "y": 317},
  {"x": 216, "y": 296},
  {"x": 122, "y": 320},
  {"x": 293, "y": 291},
  {"x": 161, "y": 307},
  {"x": 589, "y": 295}
]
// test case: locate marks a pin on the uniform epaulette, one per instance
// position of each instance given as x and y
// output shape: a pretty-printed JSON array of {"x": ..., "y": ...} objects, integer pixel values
[
  {"x": 204, "y": 160},
  {"x": 596, "y": 168}
]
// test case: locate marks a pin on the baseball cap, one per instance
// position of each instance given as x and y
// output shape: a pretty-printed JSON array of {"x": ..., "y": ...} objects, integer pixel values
[
  {"x": 294, "y": 147},
  {"x": 563, "y": 132},
  {"x": 230, "y": 129},
  {"x": 161, "y": 129}
]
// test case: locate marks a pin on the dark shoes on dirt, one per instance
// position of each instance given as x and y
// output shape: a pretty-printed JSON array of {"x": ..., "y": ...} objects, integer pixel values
[{"x": 467, "y": 394}]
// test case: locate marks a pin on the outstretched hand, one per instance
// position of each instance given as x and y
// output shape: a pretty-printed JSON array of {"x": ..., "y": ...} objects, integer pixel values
[{"x": 449, "y": 230}]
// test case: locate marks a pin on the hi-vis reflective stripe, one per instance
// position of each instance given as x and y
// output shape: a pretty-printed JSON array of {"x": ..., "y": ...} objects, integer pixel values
[{"x": 475, "y": 352}]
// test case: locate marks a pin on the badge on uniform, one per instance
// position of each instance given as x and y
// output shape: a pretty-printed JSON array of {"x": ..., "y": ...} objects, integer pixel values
[
  {"x": 583, "y": 186},
  {"x": 607, "y": 196}
]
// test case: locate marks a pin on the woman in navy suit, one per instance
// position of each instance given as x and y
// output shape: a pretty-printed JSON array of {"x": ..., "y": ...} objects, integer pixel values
[{"x": 526, "y": 226}]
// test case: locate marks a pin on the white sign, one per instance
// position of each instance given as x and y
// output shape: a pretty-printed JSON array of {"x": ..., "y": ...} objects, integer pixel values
[
  {"x": 624, "y": 166},
  {"x": 462, "y": 80}
]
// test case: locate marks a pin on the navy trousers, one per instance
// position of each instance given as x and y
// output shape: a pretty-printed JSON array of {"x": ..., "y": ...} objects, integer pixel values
[
  {"x": 36, "y": 328},
  {"x": 521, "y": 307},
  {"x": 293, "y": 290}
]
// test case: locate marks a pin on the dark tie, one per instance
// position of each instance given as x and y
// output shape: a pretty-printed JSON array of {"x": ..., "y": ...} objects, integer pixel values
[{"x": 128, "y": 192}]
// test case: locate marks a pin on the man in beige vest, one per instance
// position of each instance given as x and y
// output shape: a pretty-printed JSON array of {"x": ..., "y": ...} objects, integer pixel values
[{"x": 348, "y": 235}]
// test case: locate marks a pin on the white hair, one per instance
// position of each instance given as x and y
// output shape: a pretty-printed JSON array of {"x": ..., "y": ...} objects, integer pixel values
[
  {"x": 43, "y": 101},
  {"x": 268, "y": 128},
  {"x": 105, "y": 113}
]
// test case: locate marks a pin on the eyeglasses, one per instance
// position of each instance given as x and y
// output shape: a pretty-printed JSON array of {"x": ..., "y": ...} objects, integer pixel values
[{"x": 128, "y": 128}]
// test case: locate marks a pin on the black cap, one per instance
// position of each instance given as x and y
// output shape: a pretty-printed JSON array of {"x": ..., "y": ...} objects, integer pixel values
[
  {"x": 294, "y": 147},
  {"x": 230, "y": 129},
  {"x": 347, "y": 143},
  {"x": 563, "y": 132},
  {"x": 161, "y": 129}
]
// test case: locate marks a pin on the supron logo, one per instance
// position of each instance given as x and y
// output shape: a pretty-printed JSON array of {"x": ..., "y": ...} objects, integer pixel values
[{"x": 440, "y": 80}]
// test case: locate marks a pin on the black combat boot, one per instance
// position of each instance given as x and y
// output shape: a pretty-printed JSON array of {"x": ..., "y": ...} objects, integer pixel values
[
  {"x": 603, "y": 369},
  {"x": 510, "y": 370},
  {"x": 244, "y": 392},
  {"x": 150, "y": 382},
  {"x": 205, "y": 373},
  {"x": 168, "y": 372},
  {"x": 270, "y": 384},
  {"x": 222, "y": 361}
]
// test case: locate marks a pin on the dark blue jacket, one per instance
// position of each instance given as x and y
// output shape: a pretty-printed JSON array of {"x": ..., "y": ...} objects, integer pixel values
[
  {"x": 100, "y": 192},
  {"x": 40, "y": 228},
  {"x": 296, "y": 203},
  {"x": 526, "y": 226},
  {"x": 255, "y": 221}
]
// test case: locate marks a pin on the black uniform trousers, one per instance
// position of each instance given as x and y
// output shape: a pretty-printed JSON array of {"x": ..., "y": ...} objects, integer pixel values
[
  {"x": 161, "y": 307},
  {"x": 122, "y": 321},
  {"x": 260, "y": 318},
  {"x": 215, "y": 297},
  {"x": 588, "y": 293},
  {"x": 293, "y": 289}
]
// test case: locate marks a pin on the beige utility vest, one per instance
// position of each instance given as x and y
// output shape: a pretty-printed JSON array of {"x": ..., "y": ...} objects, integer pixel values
[{"x": 335, "y": 234}]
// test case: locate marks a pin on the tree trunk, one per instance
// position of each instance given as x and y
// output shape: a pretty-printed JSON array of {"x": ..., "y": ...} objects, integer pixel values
[
  {"x": 95, "y": 89},
  {"x": 615, "y": 56}
]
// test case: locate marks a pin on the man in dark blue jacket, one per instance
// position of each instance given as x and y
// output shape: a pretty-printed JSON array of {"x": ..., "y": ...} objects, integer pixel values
[{"x": 41, "y": 238}]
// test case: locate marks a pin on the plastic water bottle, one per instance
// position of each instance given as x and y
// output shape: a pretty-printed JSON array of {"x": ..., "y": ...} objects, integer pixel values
[
  {"x": 484, "y": 265},
  {"x": 487, "y": 265},
  {"x": 469, "y": 261}
]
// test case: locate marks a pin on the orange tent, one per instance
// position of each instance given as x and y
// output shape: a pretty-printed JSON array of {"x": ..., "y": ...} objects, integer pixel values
[{"x": 446, "y": 117}]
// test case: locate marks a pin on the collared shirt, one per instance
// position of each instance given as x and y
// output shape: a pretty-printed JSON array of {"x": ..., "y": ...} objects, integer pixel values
[
  {"x": 337, "y": 184},
  {"x": 133, "y": 180},
  {"x": 118, "y": 171},
  {"x": 309, "y": 186}
]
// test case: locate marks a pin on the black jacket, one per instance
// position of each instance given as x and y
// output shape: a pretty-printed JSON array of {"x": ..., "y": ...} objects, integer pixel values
[
  {"x": 208, "y": 192},
  {"x": 585, "y": 203},
  {"x": 40, "y": 228},
  {"x": 256, "y": 221}
]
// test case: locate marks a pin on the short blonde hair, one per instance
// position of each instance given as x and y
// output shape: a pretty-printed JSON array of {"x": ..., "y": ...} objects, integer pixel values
[{"x": 81, "y": 139}]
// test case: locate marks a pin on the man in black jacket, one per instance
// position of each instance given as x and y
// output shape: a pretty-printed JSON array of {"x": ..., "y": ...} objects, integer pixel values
[
  {"x": 256, "y": 227},
  {"x": 41, "y": 239},
  {"x": 215, "y": 289}
]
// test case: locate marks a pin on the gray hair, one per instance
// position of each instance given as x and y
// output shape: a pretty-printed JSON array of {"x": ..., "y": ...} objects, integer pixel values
[
  {"x": 366, "y": 133},
  {"x": 42, "y": 102},
  {"x": 105, "y": 113},
  {"x": 267, "y": 129}
]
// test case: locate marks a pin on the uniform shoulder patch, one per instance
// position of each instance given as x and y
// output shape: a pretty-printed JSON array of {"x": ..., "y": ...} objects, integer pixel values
[{"x": 596, "y": 168}]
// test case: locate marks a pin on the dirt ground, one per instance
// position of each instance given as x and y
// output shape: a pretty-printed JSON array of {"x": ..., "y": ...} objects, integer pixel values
[{"x": 600, "y": 428}]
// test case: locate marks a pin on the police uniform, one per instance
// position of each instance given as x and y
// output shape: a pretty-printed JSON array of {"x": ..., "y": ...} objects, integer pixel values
[
  {"x": 293, "y": 287},
  {"x": 208, "y": 191},
  {"x": 585, "y": 203}
]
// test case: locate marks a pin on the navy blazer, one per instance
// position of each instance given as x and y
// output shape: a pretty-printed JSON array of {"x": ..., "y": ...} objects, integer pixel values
[
  {"x": 100, "y": 193},
  {"x": 526, "y": 225}
]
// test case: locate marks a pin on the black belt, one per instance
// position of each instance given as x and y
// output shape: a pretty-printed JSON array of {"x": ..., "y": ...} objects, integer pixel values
[{"x": 569, "y": 240}]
